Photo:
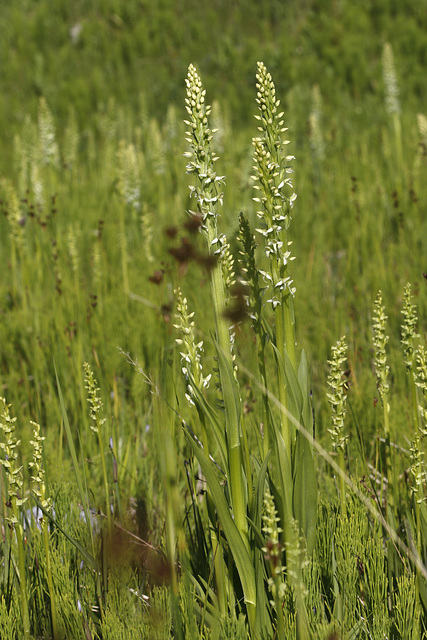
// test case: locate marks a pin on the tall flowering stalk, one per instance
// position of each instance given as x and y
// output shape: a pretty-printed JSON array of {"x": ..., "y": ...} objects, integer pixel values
[
  {"x": 129, "y": 179},
  {"x": 338, "y": 400},
  {"x": 276, "y": 199},
  {"x": 421, "y": 382},
  {"x": 418, "y": 468},
  {"x": 273, "y": 554},
  {"x": 382, "y": 370},
  {"x": 207, "y": 196},
  {"x": 96, "y": 425},
  {"x": 191, "y": 365},
  {"x": 48, "y": 145},
  {"x": 408, "y": 335},
  {"x": 13, "y": 472},
  {"x": 191, "y": 350},
  {"x": 206, "y": 192}
]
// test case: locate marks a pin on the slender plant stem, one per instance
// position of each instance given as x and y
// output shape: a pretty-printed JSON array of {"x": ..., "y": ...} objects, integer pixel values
[
  {"x": 232, "y": 425},
  {"x": 22, "y": 578},
  {"x": 52, "y": 597}
]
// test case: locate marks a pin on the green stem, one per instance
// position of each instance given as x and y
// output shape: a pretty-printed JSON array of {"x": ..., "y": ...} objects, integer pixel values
[
  {"x": 232, "y": 421},
  {"x": 124, "y": 256},
  {"x": 415, "y": 412},
  {"x": 22, "y": 578},
  {"x": 50, "y": 580},
  {"x": 218, "y": 560},
  {"x": 280, "y": 631},
  {"x": 387, "y": 451},
  {"x": 341, "y": 463},
  {"x": 105, "y": 479},
  {"x": 265, "y": 405},
  {"x": 399, "y": 150},
  {"x": 283, "y": 394},
  {"x": 418, "y": 526},
  {"x": 290, "y": 330}
]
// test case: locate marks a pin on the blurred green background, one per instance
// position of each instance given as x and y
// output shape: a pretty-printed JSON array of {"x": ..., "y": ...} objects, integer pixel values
[{"x": 81, "y": 52}]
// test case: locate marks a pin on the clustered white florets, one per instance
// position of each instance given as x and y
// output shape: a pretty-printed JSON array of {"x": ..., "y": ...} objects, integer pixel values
[
  {"x": 207, "y": 192},
  {"x": 273, "y": 178},
  {"x": 191, "y": 365}
]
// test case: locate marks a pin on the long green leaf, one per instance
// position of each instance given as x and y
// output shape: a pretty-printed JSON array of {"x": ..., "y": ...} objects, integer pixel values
[
  {"x": 303, "y": 380},
  {"x": 295, "y": 401},
  {"x": 238, "y": 549},
  {"x": 231, "y": 397},
  {"x": 259, "y": 483},
  {"x": 213, "y": 419},
  {"x": 305, "y": 490},
  {"x": 283, "y": 484},
  {"x": 263, "y": 628},
  {"x": 237, "y": 481}
]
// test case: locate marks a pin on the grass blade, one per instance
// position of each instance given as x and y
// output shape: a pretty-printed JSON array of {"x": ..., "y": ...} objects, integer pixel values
[{"x": 70, "y": 440}]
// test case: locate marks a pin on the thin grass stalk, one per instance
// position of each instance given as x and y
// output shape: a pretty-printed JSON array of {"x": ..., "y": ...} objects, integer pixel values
[
  {"x": 39, "y": 489},
  {"x": 82, "y": 487},
  {"x": 22, "y": 575},
  {"x": 52, "y": 596},
  {"x": 7, "y": 548},
  {"x": 124, "y": 253},
  {"x": 167, "y": 460},
  {"x": 96, "y": 425}
]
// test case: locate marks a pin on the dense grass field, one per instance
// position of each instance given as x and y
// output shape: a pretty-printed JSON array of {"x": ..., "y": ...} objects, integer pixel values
[{"x": 213, "y": 364}]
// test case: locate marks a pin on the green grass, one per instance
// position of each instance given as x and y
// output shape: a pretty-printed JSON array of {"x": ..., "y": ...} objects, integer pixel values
[{"x": 228, "y": 519}]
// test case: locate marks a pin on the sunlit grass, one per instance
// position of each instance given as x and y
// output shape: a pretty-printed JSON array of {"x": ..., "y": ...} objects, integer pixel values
[{"x": 191, "y": 504}]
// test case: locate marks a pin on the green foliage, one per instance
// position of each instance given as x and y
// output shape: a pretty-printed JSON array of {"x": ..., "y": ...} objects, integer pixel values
[{"x": 213, "y": 518}]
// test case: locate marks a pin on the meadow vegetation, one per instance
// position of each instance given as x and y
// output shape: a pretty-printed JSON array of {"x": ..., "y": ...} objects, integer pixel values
[{"x": 213, "y": 364}]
